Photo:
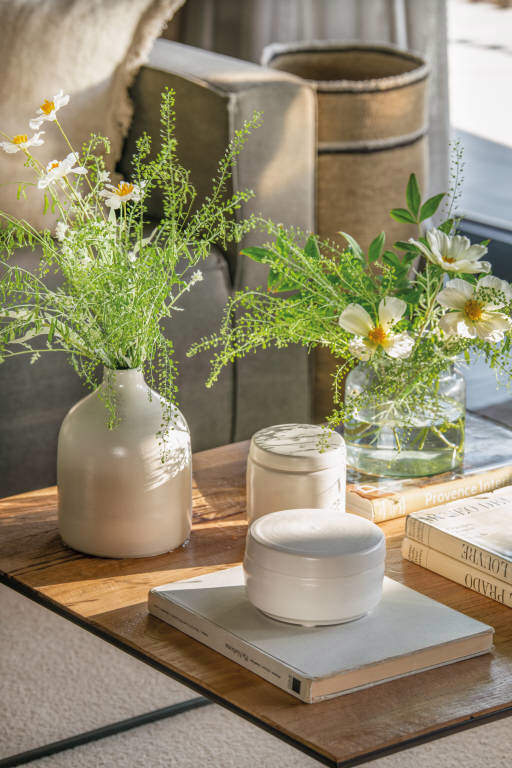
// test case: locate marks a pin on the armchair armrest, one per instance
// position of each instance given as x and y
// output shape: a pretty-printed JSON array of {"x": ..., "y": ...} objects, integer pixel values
[{"x": 214, "y": 95}]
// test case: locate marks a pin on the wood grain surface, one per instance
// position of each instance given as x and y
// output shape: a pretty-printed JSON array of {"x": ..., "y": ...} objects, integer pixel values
[{"x": 109, "y": 598}]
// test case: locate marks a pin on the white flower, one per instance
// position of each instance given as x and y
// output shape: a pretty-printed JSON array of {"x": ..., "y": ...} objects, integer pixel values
[
  {"x": 60, "y": 230},
  {"x": 59, "y": 169},
  {"x": 453, "y": 253},
  {"x": 48, "y": 110},
  {"x": 370, "y": 336},
  {"x": 22, "y": 141},
  {"x": 103, "y": 176},
  {"x": 473, "y": 314},
  {"x": 124, "y": 191},
  {"x": 496, "y": 285},
  {"x": 195, "y": 277}
]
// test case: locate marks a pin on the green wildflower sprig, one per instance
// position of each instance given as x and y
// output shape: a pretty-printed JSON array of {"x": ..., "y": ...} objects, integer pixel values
[{"x": 119, "y": 275}]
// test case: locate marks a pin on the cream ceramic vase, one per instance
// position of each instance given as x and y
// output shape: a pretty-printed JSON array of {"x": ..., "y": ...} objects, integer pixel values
[{"x": 116, "y": 496}]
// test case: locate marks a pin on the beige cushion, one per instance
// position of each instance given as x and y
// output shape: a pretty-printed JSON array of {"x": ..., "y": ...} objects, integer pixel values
[{"x": 92, "y": 49}]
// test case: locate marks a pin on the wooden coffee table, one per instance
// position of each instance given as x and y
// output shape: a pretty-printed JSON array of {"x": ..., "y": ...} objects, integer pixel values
[{"x": 108, "y": 598}]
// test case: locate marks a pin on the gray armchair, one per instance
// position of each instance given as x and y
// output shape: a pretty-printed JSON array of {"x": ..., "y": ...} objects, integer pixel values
[{"x": 214, "y": 95}]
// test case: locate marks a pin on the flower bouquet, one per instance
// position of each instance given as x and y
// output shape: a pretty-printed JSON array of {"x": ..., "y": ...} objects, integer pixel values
[
  {"x": 120, "y": 274},
  {"x": 124, "y": 457},
  {"x": 398, "y": 319}
]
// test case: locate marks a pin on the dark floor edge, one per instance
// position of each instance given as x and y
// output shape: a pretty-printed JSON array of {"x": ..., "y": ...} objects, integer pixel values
[
  {"x": 103, "y": 732},
  {"x": 310, "y": 751}
]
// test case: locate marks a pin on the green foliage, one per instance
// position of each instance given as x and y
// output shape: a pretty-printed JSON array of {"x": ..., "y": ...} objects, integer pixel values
[
  {"x": 447, "y": 226},
  {"x": 415, "y": 212},
  {"x": 376, "y": 246},
  {"x": 119, "y": 276},
  {"x": 430, "y": 207},
  {"x": 413, "y": 195},
  {"x": 354, "y": 246},
  {"x": 403, "y": 216}
]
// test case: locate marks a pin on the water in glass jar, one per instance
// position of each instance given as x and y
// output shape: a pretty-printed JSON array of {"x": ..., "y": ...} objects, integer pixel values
[{"x": 382, "y": 440}]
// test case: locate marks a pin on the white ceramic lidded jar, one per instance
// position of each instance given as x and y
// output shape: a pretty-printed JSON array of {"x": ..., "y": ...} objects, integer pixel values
[
  {"x": 295, "y": 466},
  {"x": 314, "y": 566}
]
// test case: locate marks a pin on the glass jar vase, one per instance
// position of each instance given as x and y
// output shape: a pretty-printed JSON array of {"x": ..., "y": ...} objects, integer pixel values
[{"x": 406, "y": 437}]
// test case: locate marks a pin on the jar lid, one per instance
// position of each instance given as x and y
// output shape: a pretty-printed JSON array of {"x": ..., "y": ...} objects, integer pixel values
[
  {"x": 297, "y": 447},
  {"x": 319, "y": 543}
]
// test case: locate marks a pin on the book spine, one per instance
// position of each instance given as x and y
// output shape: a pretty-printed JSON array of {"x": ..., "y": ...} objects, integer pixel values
[
  {"x": 377, "y": 510},
  {"x": 448, "y": 544},
  {"x": 230, "y": 646},
  {"x": 416, "y": 499},
  {"x": 452, "y": 569}
]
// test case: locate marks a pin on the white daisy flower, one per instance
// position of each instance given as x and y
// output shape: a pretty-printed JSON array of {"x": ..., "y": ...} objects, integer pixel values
[
  {"x": 22, "y": 141},
  {"x": 370, "y": 336},
  {"x": 124, "y": 191},
  {"x": 59, "y": 169},
  {"x": 48, "y": 110},
  {"x": 453, "y": 253},
  {"x": 473, "y": 315},
  {"x": 103, "y": 176}
]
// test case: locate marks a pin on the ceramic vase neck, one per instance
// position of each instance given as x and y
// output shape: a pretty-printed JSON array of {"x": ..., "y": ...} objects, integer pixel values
[{"x": 125, "y": 379}]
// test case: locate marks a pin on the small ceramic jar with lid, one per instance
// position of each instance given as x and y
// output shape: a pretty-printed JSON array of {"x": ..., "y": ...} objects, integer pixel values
[
  {"x": 314, "y": 566},
  {"x": 295, "y": 466}
]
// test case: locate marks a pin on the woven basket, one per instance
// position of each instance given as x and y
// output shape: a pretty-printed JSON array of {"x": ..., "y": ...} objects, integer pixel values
[{"x": 371, "y": 134}]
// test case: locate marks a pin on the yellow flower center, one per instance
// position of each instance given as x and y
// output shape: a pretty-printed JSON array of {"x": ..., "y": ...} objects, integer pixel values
[
  {"x": 473, "y": 310},
  {"x": 47, "y": 106},
  {"x": 449, "y": 259},
  {"x": 55, "y": 164},
  {"x": 377, "y": 335},
  {"x": 123, "y": 188},
  {"x": 21, "y": 138}
]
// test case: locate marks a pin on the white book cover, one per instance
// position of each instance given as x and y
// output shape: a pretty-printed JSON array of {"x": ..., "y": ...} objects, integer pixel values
[
  {"x": 477, "y": 532},
  {"x": 407, "y": 633}
]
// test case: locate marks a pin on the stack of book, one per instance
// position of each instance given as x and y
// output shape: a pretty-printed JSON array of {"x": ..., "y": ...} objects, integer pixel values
[
  {"x": 487, "y": 466},
  {"x": 469, "y": 542},
  {"x": 405, "y": 634}
]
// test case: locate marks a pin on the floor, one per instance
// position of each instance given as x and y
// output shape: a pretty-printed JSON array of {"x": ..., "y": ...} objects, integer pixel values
[
  {"x": 480, "y": 71},
  {"x": 54, "y": 695}
]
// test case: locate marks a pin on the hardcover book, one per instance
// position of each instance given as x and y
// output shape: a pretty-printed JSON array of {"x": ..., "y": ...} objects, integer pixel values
[
  {"x": 407, "y": 633},
  {"x": 487, "y": 466},
  {"x": 476, "y": 532},
  {"x": 455, "y": 570}
]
